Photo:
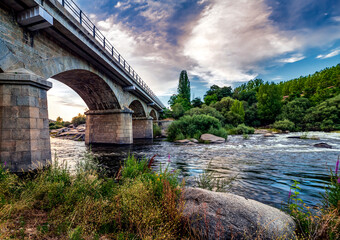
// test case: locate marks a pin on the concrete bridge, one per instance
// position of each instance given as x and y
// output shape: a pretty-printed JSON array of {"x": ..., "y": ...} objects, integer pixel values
[{"x": 42, "y": 39}]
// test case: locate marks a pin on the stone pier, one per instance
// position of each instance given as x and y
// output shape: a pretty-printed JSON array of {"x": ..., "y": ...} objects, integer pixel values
[
  {"x": 142, "y": 127},
  {"x": 24, "y": 134},
  {"x": 109, "y": 126}
]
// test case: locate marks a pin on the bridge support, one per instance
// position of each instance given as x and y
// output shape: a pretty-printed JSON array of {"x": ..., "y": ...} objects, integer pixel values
[
  {"x": 109, "y": 126},
  {"x": 142, "y": 127},
  {"x": 24, "y": 136}
]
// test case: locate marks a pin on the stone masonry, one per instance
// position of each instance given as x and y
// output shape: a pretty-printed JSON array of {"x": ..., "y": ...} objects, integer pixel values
[
  {"x": 109, "y": 126},
  {"x": 142, "y": 127},
  {"x": 24, "y": 136}
]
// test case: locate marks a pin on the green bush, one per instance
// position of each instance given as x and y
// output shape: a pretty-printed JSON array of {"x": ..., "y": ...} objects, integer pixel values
[
  {"x": 156, "y": 130},
  {"x": 241, "y": 129},
  {"x": 206, "y": 110},
  {"x": 192, "y": 126},
  {"x": 284, "y": 125}
]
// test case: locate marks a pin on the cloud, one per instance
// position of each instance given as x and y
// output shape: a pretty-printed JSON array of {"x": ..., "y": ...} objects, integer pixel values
[
  {"x": 333, "y": 53},
  {"x": 292, "y": 59},
  {"x": 232, "y": 39},
  {"x": 336, "y": 19}
]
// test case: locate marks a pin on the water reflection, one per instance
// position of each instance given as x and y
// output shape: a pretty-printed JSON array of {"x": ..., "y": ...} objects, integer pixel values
[{"x": 265, "y": 167}]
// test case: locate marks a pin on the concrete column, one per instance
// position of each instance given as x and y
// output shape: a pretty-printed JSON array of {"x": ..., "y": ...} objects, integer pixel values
[
  {"x": 109, "y": 126},
  {"x": 24, "y": 134},
  {"x": 142, "y": 127}
]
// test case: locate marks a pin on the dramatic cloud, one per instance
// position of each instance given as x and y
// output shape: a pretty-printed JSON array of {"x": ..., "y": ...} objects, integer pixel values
[{"x": 231, "y": 40}]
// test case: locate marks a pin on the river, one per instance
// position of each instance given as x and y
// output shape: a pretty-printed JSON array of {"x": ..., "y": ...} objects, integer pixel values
[{"x": 264, "y": 167}]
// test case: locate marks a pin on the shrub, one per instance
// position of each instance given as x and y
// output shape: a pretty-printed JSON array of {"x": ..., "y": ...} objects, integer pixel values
[
  {"x": 241, "y": 129},
  {"x": 156, "y": 130},
  {"x": 190, "y": 126},
  {"x": 284, "y": 125},
  {"x": 206, "y": 110},
  {"x": 80, "y": 119}
]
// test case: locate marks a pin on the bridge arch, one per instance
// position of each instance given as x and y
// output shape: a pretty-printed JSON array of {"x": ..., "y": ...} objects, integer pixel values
[
  {"x": 95, "y": 92},
  {"x": 138, "y": 109},
  {"x": 153, "y": 115}
]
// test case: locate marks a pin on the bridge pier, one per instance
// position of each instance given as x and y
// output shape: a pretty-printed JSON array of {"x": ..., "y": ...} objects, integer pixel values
[
  {"x": 142, "y": 127},
  {"x": 24, "y": 134},
  {"x": 109, "y": 126}
]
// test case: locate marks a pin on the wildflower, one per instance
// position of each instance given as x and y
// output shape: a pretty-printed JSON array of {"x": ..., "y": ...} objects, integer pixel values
[
  {"x": 337, "y": 167},
  {"x": 290, "y": 193},
  {"x": 160, "y": 175},
  {"x": 169, "y": 158},
  {"x": 339, "y": 180},
  {"x": 158, "y": 179},
  {"x": 157, "y": 174},
  {"x": 5, "y": 164}
]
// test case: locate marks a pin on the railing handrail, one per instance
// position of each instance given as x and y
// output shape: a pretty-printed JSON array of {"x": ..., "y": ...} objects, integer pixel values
[{"x": 85, "y": 21}]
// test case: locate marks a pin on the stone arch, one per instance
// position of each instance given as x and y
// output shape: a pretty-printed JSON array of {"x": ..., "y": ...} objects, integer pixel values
[
  {"x": 153, "y": 115},
  {"x": 95, "y": 92},
  {"x": 138, "y": 109}
]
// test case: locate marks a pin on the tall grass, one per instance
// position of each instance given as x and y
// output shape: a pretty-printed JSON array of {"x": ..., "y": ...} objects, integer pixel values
[{"x": 56, "y": 204}]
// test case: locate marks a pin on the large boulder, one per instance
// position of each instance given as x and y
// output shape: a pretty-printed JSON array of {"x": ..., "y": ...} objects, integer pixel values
[
  {"x": 214, "y": 215},
  {"x": 212, "y": 138}
]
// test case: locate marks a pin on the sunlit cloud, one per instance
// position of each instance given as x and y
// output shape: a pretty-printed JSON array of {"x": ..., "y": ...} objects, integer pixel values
[
  {"x": 292, "y": 59},
  {"x": 329, "y": 55}
]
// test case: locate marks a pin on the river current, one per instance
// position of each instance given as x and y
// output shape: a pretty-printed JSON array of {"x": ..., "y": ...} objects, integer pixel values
[{"x": 263, "y": 168}]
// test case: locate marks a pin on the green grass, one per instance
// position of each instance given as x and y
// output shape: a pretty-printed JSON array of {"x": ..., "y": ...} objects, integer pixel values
[{"x": 141, "y": 204}]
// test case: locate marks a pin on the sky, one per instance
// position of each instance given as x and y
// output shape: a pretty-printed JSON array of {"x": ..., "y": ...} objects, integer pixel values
[{"x": 222, "y": 42}]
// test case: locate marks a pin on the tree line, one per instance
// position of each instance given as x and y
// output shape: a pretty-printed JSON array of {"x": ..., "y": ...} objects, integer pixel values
[{"x": 306, "y": 103}]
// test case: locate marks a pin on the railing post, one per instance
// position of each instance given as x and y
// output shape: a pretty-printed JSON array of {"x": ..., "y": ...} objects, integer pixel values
[
  {"x": 112, "y": 51},
  {"x": 119, "y": 59},
  {"x": 80, "y": 16},
  {"x": 63, "y": 3},
  {"x": 104, "y": 42},
  {"x": 94, "y": 31},
  {"x": 129, "y": 67}
]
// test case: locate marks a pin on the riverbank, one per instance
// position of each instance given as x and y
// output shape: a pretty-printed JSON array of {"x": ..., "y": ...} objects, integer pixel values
[{"x": 138, "y": 203}]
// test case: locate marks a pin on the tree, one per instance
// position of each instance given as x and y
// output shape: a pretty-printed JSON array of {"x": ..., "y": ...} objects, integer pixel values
[
  {"x": 269, "y": 102},
  {"x": 79, "y": 119},
  {"x": 177, "y": 110},
  {"x": 237, "y": 108},
  {"x": 209, "y": 99},
  {"x": 59, "y": 120},
  {"x": 196, "y": 102},
  {"x": 184, "y": 85}
]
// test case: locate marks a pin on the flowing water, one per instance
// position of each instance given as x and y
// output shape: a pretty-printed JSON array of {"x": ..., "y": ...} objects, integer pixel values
[{"x": 264, "y": 167}]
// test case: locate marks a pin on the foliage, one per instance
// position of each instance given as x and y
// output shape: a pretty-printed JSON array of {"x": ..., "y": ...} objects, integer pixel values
[
  {"x": 184, "y": 86},
  {"x": 284, "y": 125},
  {"x": 156, "y": 130},
  {"x": 79, "y": 119},
  {"x": 241, "y": 129},
  {"x": 206, "y": 110},
  {"x": 209, "y": 99},
  {"x": 192, "y": 126},
  {"x": 295, "y": 111},
  {"x": 332, "y": 194},
  {"x": 238, "y": 109},
  {"x": 219, "y": 92},
  {"x": 196, "y": 102},
  {"x": 177, "y": 110},
  {"x": 224, "y": 105},
  {"x": 324, "y": 116},
  {"x": 269, "y": 102},
  {"x": 56, "y": 204}
]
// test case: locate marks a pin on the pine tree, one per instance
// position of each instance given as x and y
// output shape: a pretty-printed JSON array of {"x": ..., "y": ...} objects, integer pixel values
[{"x": 184, "y": 85}]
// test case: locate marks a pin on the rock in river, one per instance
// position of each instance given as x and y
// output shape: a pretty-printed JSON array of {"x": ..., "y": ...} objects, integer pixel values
[
  {"x": 216, "y": 215},
  {"x": 212, "y": 138},
  {"x": 322, "y": 145},
  {"x": 269, "y": 135}
]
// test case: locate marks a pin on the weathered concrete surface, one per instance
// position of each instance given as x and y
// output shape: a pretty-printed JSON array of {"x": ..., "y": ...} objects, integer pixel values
[
  {"x": 110, "y": 126},
  {"x": 24, "y": 135},
  {"x": 215, "y": 215}
]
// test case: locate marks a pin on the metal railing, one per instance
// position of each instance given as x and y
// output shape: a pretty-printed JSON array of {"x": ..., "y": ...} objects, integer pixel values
[{"x": 79, "y": 15}]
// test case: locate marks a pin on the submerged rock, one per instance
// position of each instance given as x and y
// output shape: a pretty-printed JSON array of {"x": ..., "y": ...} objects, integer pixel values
[
  {"x": 214, "y": 215},
  {"x": 322, "y": 145},
  {"x": 212, "y": 138}
]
